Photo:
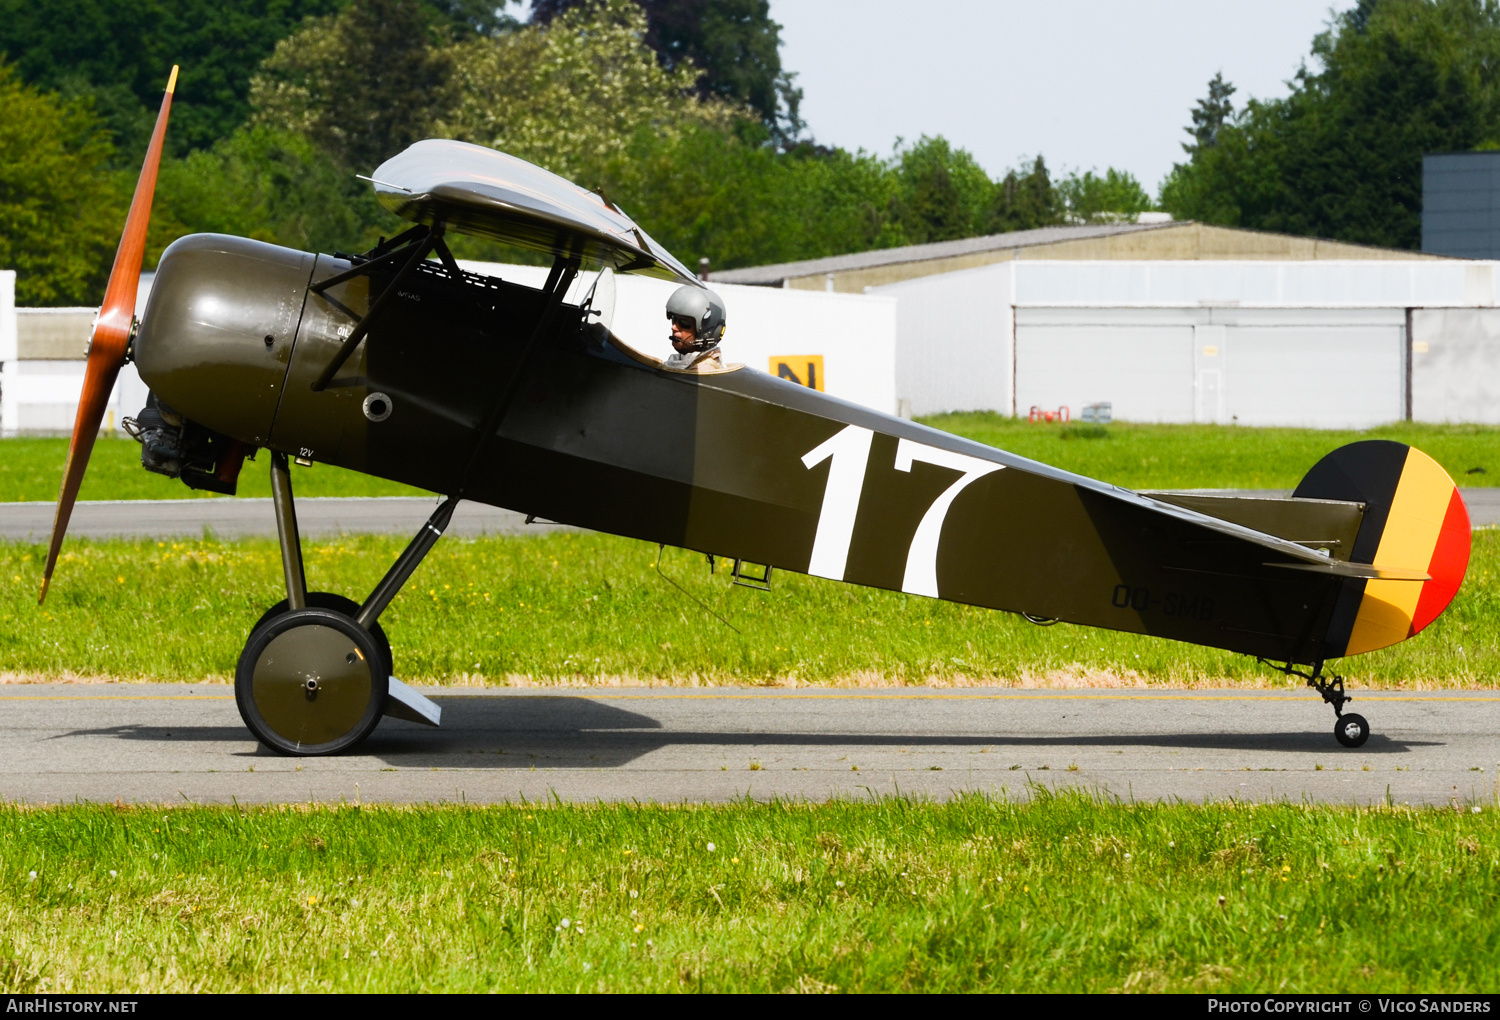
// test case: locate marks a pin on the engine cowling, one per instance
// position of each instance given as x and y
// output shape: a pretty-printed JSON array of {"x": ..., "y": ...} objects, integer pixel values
[{"x": 217, "y": 334}]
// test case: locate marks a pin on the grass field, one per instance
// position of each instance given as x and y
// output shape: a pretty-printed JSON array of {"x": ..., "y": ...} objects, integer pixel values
[
  {"x": 1218, "y": 456},
  {"x": 1061, "y": 894},
  {"x": 31, "y": 469},
  {"x": 1135, "y": 456},
  {"x": 588, "y": 608}
]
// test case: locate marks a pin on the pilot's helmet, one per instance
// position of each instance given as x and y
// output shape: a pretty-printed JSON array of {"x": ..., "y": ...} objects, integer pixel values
[{"x": 702, "y": 310}]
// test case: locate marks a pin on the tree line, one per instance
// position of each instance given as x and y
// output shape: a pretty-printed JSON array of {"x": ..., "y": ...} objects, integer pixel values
[
  {"x": 680, "y": 111},
  {"x": 1341, "y": 155}
]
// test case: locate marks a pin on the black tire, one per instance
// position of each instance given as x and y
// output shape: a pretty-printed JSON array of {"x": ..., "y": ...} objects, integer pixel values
[
  {"x": 1351, "y": 730},
  {"x": 338, "y": 604},
  {"x": 311, "y": 682}
]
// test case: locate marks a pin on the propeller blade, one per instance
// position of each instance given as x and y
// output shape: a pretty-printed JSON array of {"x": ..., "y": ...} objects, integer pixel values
[{"x": 111, "y": 334}]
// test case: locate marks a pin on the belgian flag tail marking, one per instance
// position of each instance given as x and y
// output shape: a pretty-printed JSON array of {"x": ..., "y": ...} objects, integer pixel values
[{"x": 1414, "y": 520}]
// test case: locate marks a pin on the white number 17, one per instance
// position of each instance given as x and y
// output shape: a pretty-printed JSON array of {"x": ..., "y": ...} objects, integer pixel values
[{"x": 850, "y": 453}]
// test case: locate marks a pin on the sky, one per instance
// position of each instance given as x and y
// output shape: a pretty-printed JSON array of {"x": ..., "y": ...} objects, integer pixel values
[{"x": 1086, "y": 83}]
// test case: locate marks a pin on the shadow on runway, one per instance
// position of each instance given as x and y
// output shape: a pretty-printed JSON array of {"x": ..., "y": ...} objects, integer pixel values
[{"x": 568, "y": 732}]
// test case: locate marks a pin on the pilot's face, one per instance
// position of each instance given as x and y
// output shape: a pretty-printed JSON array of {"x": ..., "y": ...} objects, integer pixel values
[{"x": 683, "y": 337}]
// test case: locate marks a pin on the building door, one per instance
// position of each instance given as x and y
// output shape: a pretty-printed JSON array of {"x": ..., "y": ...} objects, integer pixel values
[
  {"x": 1455, "y": 365},
  {"x": 1208, "y": 373},
  {"x": 1139, "y": 360}
]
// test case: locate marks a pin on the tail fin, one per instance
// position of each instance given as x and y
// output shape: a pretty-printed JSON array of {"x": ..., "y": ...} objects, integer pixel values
[{"x": 1414, "y": 520}]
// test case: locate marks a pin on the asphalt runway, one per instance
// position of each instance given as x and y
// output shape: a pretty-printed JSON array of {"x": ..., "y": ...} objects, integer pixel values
[
  {"x": 243, "y": 518},
  {"x": 321, "y": 517},
  {"x": 161, "y": 743}
]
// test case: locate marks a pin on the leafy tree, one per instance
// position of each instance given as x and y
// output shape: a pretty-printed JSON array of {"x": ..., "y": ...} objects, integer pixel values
[
  {"x": 733, "y": 45},
  {"x": 1113, "y": 197},
  {"x": 1341, "y": 156},
  {"x": 1210, "y": 115},
  {"x": 119, "y": 52},
  {"x": 709, "y": 193},
  {"x": 273, "y": 186},
  {"x": 1025, "y": 201},
  {"x": 584, "y": 95},
  {"x": 573, "y": 94},
  {"x": 60, "y": 209},
  {"x": 363, "y": 84},
  {"x": 943, "y": 193},
  {"x": 471, "y": 17}
]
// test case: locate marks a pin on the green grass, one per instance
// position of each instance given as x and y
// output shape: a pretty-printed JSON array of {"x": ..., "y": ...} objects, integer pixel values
[
  {"x": 1135, "y": 456},
  {"x": 1061, "y": 894},
  {"x": 31, "y": 469},
  {"x": 1217, "y": 456},
  {"x": 590, "y": 608}
]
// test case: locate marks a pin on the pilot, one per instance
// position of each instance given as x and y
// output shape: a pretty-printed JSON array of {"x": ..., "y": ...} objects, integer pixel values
[{"x": 697, "y": 318}]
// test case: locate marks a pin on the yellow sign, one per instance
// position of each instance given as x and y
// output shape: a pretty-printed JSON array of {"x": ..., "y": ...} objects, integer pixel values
[{"x": 802, "y": 369}]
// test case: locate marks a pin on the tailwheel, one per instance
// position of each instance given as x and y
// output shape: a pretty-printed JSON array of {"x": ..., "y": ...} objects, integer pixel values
[
  {"x": 311, "y": 682},
  {"x": 1351, "y": 730}
]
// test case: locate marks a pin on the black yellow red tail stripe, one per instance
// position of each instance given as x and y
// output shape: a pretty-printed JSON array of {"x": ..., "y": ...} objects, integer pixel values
[{"x": 1415, "y": 520}]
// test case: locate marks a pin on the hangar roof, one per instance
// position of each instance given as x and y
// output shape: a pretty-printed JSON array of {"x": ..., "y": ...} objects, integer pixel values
[
  {"x": 774, "y": 274},
  {"x": 1167, "y": 240}
]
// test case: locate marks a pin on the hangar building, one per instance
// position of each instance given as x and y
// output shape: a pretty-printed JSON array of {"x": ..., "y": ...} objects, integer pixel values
[{"x": 1180, "y": 322}]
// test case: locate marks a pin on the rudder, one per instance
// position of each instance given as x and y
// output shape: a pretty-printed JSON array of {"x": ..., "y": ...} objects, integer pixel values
[{"x": 1414, "y": 519}]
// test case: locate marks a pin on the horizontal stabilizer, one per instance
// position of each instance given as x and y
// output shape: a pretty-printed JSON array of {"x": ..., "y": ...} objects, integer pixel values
[
  {"x": 1326, "y": 524},
  {"x": 1340, "y": 568},
  {"x": 404, "y": 703}
]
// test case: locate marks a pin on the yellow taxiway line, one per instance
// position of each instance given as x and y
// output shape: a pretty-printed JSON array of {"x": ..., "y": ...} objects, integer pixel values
[{"x": 811, "y": 695}]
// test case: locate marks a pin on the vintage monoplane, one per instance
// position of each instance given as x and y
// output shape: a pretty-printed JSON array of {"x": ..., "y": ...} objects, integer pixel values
[{"x": 406, "y": 367}]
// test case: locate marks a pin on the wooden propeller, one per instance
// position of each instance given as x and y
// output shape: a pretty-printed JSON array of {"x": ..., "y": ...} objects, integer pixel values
[{"x": 111, "y": 336}]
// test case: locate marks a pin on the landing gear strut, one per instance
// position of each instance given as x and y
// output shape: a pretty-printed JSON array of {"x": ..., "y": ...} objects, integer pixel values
[
  {"x": 315, "y": 675},
  {"x": 1350, "y": 730}
]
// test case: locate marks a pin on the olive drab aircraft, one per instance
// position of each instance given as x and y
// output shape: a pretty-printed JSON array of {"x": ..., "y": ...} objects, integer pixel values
[{"x": 398, "y": 363}]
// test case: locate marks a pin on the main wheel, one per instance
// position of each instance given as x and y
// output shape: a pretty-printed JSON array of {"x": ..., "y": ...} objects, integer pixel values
[
  {"x": 311, "y": 682},
  {"x": 1351, "y": 730},
  {"x": 339, "y": 604}
]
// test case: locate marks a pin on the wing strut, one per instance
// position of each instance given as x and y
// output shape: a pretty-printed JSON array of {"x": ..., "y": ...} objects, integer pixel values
[
  {"x": 564, "y": 269},
  {"x": 419, "y": 252},
  {"x": 415, "y": 236}
]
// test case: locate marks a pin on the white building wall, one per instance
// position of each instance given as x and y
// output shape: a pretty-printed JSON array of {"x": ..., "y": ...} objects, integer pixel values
[
  {"x": 1293, "y": 343},
  {"x": 853, "y": 333},
  {"x": 953, "y": 340},
  {"x": 39, "y": 394},
  {"x": 9, "y": 370},
  {"x": 1320, "y": 344},
  {"x": 1264, "y": 284},
  {"x": 1306, "y": 367}
]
